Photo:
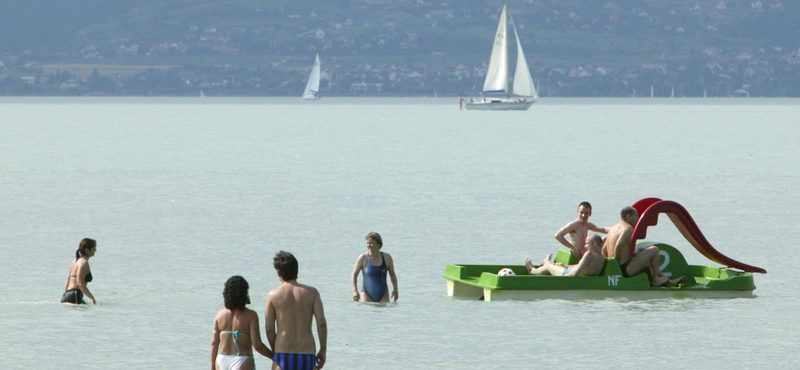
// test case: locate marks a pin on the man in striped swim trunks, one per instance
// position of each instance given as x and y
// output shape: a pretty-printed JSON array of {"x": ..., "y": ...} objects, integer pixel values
[{"x": 290, "y": 310}]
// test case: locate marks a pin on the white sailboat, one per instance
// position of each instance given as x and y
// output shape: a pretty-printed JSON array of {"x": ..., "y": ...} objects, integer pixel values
[
  {"x": 497, "y": 76},
  {"x": 312, "y": 87}
]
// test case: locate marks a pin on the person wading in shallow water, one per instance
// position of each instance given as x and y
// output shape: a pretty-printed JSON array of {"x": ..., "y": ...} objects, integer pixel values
[
  {"x": 236, "y": 330},
  {"x": 290, "y": 309},
  {"x": 80, "y": 274},
  {"x": 373, "y": 266}
]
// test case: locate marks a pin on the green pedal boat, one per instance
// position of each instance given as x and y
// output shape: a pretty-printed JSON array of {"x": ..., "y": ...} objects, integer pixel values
[{"x": 482, "y": 282}]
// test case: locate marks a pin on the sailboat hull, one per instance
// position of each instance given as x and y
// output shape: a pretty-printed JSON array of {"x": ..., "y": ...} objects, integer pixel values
[{"x": 501, "y": 104}]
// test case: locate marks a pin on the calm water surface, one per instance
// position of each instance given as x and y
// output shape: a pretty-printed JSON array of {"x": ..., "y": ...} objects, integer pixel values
[{"x": 182, "y": 193}]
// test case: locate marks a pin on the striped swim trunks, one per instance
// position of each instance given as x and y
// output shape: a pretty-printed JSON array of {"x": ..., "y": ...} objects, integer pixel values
[{"x": 295, "y": 361}]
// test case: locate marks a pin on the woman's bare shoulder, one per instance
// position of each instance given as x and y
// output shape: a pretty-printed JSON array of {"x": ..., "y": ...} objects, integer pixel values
[
  {"x": 250, "y": 314},
  {"x": 221, "y": 314}
]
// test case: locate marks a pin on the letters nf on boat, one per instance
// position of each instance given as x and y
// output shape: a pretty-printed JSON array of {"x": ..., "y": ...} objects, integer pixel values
[{"x": 497, "y": 75}]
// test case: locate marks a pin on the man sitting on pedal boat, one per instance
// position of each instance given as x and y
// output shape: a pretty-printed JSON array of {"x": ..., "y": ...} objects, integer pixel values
[
  {"x": 591, "y": 264},
  {"x": 618, "y": 245}
]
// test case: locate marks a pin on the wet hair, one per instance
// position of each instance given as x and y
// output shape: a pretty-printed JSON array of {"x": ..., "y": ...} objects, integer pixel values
[
  {"x": 84, "y": 246},
  {"x": 376, "y": 237},
  {"x": 597, "y": 238},
  {"x": 286, "y": 265},
  {"x": 585, "y": 204},
  {"x": 235, "y": 293},
  {"x": 627, "y": 211}
]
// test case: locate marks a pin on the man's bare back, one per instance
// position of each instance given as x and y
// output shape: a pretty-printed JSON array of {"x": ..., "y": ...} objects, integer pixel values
[
  {"x": 618, "y": 242},
  {"x": 618, "y": 246},
  {"x": 294, "y": 306},
  {"x": 290, "y": 310}
]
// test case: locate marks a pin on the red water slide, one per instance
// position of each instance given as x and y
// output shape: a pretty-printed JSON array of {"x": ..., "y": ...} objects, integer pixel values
[{"x": 650, "y": 208}]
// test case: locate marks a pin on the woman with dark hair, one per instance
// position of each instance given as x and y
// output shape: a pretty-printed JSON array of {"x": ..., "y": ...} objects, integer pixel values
[
  {"x": 236, "y": 330},
  {"x": 80, "y": 274},
  {"x": 373, "y": 266}
]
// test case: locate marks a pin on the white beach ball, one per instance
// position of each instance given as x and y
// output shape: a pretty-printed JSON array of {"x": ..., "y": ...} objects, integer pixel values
[{"x": 506, "y": 272}]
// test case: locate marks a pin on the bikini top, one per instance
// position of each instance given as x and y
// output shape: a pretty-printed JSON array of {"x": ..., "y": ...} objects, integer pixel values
[
  {"x": 88, "y": 277},
  {"x": 235, "y": 338}
]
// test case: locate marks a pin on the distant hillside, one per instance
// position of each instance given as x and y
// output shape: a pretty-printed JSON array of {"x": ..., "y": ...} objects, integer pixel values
[{"x": 276, "y": 39}]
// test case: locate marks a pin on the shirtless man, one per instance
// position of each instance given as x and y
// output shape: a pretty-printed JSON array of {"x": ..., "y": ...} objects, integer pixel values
[
  {"x": 591, "y": 264},
  {"x": 618, "y": 246},
  {"x": 577, "y": 230},
  {"x": 290, "y": 309}
]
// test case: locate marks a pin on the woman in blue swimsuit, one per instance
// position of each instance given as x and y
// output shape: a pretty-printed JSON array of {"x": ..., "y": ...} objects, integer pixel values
[
  {"x": 236, "y": 330},
  {"x": 80, "y": 274},
  {"x": 373, "y": 266}
]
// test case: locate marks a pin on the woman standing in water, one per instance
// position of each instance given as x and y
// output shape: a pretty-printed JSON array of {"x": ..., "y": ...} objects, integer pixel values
[
  {"x": 373, "y": 266},
  {"x": 80, "y": 274},
  {"x": 236, "y": 330}
]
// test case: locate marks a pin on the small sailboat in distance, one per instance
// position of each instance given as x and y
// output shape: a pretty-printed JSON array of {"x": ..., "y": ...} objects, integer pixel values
[
  {"x": 312, "y": 87},
  {"x": 497, "y": 76}
]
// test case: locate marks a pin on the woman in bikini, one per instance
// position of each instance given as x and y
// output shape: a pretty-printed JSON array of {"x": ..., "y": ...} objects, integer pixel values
[
  {"x": 373, "y": 266},
  {"x": 236, "y": 330},
  {"x": 80, "y": 274}
]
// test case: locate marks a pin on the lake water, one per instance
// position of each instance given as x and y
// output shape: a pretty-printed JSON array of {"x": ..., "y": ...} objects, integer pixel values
[{"x": 182, "y": 193}]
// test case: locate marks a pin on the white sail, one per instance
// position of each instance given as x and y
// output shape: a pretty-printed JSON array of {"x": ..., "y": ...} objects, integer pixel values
[
  {"x": 312, "y": 87},
  {"x": 497, "y": 75},
  {"x": 523, "y": 83}
]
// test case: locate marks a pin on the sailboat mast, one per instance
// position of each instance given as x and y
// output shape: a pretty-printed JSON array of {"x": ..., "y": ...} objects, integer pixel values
[{"x": 504, "y": 21}]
